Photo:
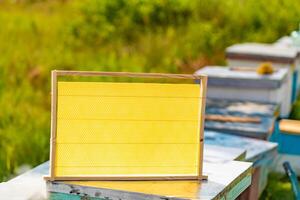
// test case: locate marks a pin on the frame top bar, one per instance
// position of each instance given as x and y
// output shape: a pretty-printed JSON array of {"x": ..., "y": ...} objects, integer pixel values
[{"x": 127, "y": 74}]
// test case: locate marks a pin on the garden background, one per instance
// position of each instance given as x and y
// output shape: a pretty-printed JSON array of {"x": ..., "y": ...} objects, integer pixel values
[{"x": 176, "y": 36}]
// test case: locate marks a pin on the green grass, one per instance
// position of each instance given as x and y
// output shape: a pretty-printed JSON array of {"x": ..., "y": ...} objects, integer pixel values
[
  {"x": 278, "y": 188},
  {"x": 151, "y": 36}
]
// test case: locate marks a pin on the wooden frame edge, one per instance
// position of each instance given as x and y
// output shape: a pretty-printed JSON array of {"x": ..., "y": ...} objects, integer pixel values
[
  {"x": 127, "y": 74},
  {"x": 203, "y": 88},
  {"x": 53, "y": 123},
  {"x": 125, "y": 178}
]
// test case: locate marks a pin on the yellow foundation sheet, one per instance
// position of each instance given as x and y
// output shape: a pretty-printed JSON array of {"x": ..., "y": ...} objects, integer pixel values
[{"x": 127, "y": 129}]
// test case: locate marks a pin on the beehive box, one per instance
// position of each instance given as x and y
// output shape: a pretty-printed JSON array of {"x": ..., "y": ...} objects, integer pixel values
[
  {"x": 261, "y": 153},
  {"x": 244, "y": 118},
  {"x": 225, "y": 83},
  {"x": 259, "y": 128},
  {"x": 287, "y": 135},
  {"x": 237, "y": 107},
  {"x": 253, "y": 54}
]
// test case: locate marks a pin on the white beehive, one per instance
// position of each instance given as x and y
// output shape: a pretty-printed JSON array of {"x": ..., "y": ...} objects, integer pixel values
[
  {"x": 253, "y": 54},
  {"x": 226, "y": 83}
]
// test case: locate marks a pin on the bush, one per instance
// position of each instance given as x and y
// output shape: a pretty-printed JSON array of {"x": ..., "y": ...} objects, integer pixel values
[{"x": 126, "y": 19}]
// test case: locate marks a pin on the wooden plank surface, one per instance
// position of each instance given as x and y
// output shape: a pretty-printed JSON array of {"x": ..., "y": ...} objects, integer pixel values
[
  {"x": 287, "y": 126},
  {"x": 232, "y": 118}
]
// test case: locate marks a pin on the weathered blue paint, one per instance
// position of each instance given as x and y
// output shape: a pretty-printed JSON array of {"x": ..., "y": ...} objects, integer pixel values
[
  {"x": 266, "y": 112},
  {"x": 261, "y": 130},
  {"x": 287, "y": 143},
  {"x": 295, "y": 86},
  {"x": 257, "y": 151},
  {"x": 63, "y": 196},
  {"x": 238, "y": 189},
  {"x": 238, "y": 108}
]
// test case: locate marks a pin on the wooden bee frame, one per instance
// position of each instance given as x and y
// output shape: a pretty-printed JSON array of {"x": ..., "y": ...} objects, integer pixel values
[{"x": 202, "y": 82}]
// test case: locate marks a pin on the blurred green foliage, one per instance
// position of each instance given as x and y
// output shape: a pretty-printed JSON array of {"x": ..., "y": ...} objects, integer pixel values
[
  {"x": 37, "y": 36},
  {"x": 127, "y": 20},
  {"x": 279, "y": 188}
]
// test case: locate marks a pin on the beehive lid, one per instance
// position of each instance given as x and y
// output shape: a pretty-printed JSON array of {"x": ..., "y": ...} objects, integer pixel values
[
  {"x": 262, "y": 52},
  {"x": 236, "y": 107},
  {"x": 286, "y": 41},
  {"x": 260, "y": 130},
  {"x": 225, "y": 76},
  {"x": 256, "y": 149}
]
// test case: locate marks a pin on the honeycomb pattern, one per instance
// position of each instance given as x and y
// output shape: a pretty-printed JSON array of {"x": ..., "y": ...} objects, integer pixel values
[{"x": 127, "y": 129}]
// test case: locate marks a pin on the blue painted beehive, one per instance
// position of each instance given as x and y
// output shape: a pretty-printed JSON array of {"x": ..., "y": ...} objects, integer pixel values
[
  {"x": 229, "y": 110},
  {"x": 287, "y": 135},
  {"x": 261, "y": 153},
  {"x": 237, "y": 107}
]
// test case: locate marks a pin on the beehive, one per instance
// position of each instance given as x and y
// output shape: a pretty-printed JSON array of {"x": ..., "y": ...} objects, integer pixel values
[
  {"x": 225, "y": 83},
  {"x": 244, "y": 118},
  {"x": 253, "y": 54}
]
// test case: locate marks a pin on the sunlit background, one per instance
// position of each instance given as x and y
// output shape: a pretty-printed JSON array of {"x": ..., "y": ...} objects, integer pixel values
[{"x": 37, "y": 36}]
